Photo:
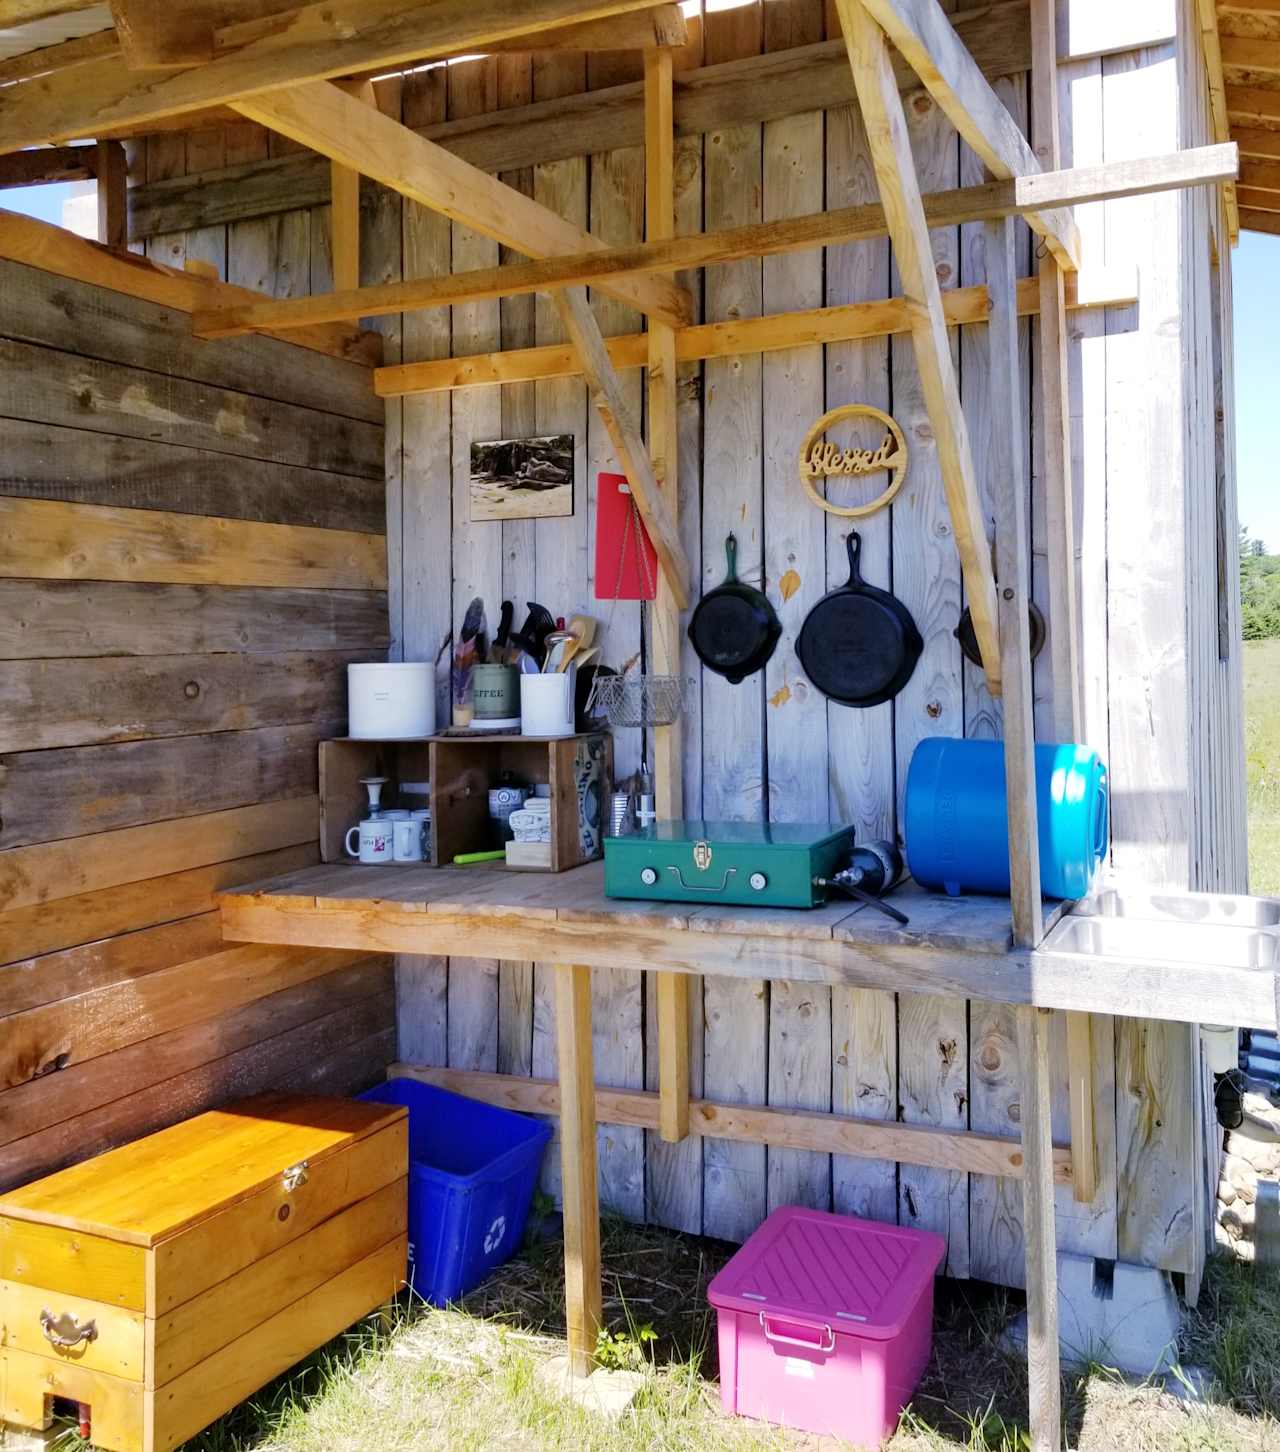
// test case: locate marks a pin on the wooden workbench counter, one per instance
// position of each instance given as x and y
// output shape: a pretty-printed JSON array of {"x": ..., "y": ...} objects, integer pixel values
[{"x": 957, "y": 947}]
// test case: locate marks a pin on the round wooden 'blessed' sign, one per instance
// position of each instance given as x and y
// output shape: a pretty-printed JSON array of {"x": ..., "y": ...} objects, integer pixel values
[{"x": 821, "y": 459}]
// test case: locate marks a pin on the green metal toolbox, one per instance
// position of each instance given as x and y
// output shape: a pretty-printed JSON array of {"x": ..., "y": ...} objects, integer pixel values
[{"x": 744, "y": 863}]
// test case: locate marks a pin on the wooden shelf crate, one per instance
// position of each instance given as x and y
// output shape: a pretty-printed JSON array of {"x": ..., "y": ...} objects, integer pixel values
[{"x": 461, "y": 770}]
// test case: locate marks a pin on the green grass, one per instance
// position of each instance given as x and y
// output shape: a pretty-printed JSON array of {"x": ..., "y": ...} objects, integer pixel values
[
  {"x": 468, "y": 1379},
  {"x": 1262, "y": 759}
]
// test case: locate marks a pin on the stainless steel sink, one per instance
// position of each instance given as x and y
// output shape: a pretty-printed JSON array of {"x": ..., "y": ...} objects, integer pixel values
[
  {"x": 1184, "y": 907},
  {"x": 1171, "y": 939}
]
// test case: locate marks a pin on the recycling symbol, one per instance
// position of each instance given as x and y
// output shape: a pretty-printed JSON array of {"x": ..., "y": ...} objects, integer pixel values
[{"x": 493, "y": 1239}]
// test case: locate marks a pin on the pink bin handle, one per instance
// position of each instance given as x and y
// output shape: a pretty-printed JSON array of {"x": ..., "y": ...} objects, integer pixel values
[{"x": 827, "y": 1344}]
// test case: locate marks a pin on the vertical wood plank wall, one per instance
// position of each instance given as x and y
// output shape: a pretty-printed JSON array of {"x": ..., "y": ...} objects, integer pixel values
[
  {"x": 163, "y": 686},
  {"x": 1162, "y": 709}
]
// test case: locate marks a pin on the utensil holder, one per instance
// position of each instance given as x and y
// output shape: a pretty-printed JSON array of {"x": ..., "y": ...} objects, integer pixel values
[{"x": 546, "y": 704}]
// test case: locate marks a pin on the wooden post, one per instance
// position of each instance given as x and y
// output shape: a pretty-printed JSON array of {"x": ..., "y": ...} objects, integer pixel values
[
  {"x": 1013, "y": 589},
  {"x": 886, "y": 126},
  {"x": 582, "y": 1297},
  {"x": 345, "y": 211},
  {"x": 113, "y": 194},
  {"x": 1060, "y": 532},
  {"x": 1038, "y": 1232},
  {"x": 668, "y": 762}
]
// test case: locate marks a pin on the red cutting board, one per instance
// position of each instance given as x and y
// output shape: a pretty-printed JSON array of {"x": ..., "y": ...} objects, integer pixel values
[{"x": 632, "y": 575}]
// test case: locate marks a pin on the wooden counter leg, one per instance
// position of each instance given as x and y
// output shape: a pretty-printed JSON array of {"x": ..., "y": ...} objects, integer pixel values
[
  {"x": 673, "y": 1056},
  {"x": 578, "y": 1164},
  {"x": 1084, "y": 1143},
  {"x": 1039, "y": 1232}
]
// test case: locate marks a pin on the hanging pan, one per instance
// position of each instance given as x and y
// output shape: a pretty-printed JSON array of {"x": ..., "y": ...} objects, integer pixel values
[
  {"x": 968, "y": 637},
  {"x": 859, "y": 645},
  {"x": 734, "y": 628}
]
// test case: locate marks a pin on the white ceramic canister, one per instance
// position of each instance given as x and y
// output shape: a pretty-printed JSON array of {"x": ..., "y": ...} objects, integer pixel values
[
  {"x": 374, "y": 844},
  {"x": 391, "y": 701},
  {"x": 546, "y": 704}
]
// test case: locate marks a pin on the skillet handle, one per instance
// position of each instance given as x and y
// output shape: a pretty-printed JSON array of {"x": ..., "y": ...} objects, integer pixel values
[
  {"x": 854, "y": 543},
  {"x": 731, "y": 558}
]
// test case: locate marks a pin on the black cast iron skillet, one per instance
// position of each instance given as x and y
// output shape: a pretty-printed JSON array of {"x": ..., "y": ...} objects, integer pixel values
[
  {"x": 734, "y": 628},
  {"x": 859, "y": 645},
  {"x": 968, "y": 637}
]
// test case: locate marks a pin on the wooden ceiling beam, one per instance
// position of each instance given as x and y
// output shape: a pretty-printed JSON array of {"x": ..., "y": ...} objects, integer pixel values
[
  {"x": 1264, "y": 174},
  {"x": 662, "y": 28},
  {"x": 1199, "y": 166},
  {"x": 325, "y": 118},
  {"x": 315, "y": 42},
  {"x": 1245, "y": 53},
  {"x": 1250, "y": 104},
  {"x": 47, "y": 164},
  {"x": 1257, "y": 200},
  {"x": 60, "y": 57},
  {"x": 843, "y": 323},
  {"x": 1260, "y": 221},
  {"x": 624, "y": 434},
  {"x": 1252, "y": 142},
  {"x": 921, "y": 31},
  {"x": 155, "y": 34},
  {"x": 757, "y": 88},
  {"x": 22, "y": 12},
  {"x": 895, "y": 168}
]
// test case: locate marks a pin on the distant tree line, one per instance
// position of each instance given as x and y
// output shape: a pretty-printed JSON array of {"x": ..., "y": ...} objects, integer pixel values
[{"x": 1259, "y": 589}]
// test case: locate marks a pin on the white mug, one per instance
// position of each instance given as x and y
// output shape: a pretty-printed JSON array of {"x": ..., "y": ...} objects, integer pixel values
[
  {"x": 407, "y": 840},
  {"x": 375, "y": 840}
]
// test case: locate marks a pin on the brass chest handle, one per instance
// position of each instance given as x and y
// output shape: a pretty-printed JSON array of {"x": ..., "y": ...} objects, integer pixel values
[
  {"x": 296, "y": 1176},
  {"x": 65, "y": 1330}
]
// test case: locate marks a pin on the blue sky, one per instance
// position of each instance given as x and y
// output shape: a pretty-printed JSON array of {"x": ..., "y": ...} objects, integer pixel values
[
  {"x": 1257, "y": 342},
  {"x": 1256, "y": 276}
]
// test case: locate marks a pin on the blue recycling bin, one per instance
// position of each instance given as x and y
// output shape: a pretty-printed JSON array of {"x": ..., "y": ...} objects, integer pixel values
[{"x": 472, "y": 1172}]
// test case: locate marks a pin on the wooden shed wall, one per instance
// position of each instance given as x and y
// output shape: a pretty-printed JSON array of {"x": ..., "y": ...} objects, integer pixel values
[
  {"x": 1165, "y": 715},
  {"x": 191, "y": 549}
]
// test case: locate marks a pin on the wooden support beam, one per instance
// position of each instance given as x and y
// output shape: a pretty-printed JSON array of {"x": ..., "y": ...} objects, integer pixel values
[
  {"x": 344, "y": 193},
  {"x": 582, "y": 1296},
  {"x": 45, "y": 164},
  {"x": 60, "y": 57},
  {"x": 1212, "y": 46},
  {"x": 1013, "y": 566},
  {"x": 756, "y": 88},
  {"x": 1039, "y": 1233},
  {"x": 965, "y": 1151},
  {"x": 55, "y": 250},
  {"x": 886, "y": 127},
  {"x": 624, "y": 434},
  {"x": 663, "y": 27},
  {"x": 924, "y": 35},
  {"x": 805, "y": 328},
  {"x": 819, "y": 229},
  {"x": 668, "y": 764},
  {"x": 1060, "y": 533},
  {"x": 112, "y": 171},
  {"x": 325, "y": 118},
  {"x": 323, "y": 40},
  {"x": 160, "y": 34}
]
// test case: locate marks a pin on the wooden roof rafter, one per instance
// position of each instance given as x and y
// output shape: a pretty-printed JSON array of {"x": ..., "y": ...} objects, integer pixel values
[{"x": 312, "y": 42}]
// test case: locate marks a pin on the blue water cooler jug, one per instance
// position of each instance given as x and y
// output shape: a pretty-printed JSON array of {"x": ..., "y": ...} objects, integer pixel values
[{"x": 957, "y": 821}]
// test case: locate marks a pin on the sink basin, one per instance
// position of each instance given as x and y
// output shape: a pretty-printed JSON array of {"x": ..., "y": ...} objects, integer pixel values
[
  {"x": 1210, "y": 940},
  {"x": 1186, "y": 907}
]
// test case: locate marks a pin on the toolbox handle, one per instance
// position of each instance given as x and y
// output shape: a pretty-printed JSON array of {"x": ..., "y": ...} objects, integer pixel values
[
  {"x": 696, "y": 887},
  {"x": 826, "y": 1345}
]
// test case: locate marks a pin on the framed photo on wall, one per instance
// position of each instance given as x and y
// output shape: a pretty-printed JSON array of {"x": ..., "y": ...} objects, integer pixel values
[{"x": 522, "y": 478}]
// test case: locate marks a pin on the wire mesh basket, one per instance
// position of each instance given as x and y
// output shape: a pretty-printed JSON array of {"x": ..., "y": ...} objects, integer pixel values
[{"x": 638, "y": 700}]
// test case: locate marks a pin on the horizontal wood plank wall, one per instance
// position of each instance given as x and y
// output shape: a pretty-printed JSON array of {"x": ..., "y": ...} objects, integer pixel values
[
  {"x": 767, "y": 747},
  {"x": 192, "y": 549}
]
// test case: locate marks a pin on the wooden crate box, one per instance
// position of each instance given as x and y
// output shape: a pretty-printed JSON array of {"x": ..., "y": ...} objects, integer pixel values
[
  {"x": 461, "y": 769},
  {"x": 190, "y": 1267}
]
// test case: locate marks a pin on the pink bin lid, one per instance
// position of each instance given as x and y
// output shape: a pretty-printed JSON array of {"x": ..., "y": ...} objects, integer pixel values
[{"x": 858, "y": 1276}]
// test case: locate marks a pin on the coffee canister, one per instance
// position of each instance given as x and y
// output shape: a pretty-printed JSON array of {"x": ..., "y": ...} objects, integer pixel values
[{"x": 496, "y": 694}]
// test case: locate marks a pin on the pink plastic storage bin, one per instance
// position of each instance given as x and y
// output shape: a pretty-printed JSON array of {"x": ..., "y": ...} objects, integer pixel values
[{"x": 826, "y": 1322}]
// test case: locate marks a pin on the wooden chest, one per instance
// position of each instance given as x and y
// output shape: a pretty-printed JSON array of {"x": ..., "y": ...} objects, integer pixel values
[{"x": 192, "y": 1266}]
